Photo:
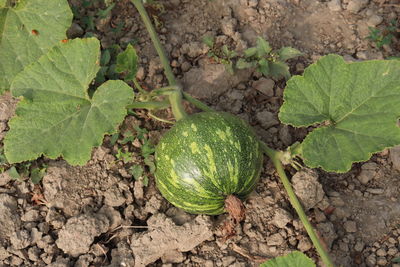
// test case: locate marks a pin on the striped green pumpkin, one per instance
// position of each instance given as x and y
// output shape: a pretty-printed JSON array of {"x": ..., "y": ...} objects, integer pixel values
[{"x": 204, "y": 158}]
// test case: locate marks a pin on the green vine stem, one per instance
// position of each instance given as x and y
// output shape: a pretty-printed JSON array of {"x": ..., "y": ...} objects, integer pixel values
[
  {"x": 150, "y": 105},
  {"x": 196, "y": 103},
  {"x": 175, "y": 98},
  {"x": 275, "y": 157},
  {"x": 138, "y": 86}
]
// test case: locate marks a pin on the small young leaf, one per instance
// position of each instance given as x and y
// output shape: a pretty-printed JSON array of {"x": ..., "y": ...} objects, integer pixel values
[
  {"x": 145, "y": 180},
  {"x": 37, "y": 175},
  {"x": 229, "y": 67},
  {"x": 101, "y": 75},
  {"x": 104, "y": 13},
  {"x": 278, "y": 70},
  {"x": 13, "y": 173},
  {"x": 263, "y": 47},
  {"x": 294, "y": 259},
  {"x": 263, "y": 66},
  {"x": 136, "y": 171},
  {"x": 56, "y": 117},
  {"x": 147, "y": 148},
  {"x": 243, "y": 64},
  {"x": 105, "y": 57},
  {"x": 149, "y": 163},
  {"x": 286, "y": 53},
  {"x": 358, "y": 103},
  {"x": 396, "y": 260},
  {"x": 249, "y": 52},
  {"x": 127, "y": 61},
  {"x": 114, "y": 138},
  {"x": 228, "y": 53},
  {"x": 209, "y": 41}
]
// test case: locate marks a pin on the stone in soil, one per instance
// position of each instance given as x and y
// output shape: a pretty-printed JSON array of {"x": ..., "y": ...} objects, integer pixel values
[
  {"x": 78, "y": 234},
  {"x": 327, "y": 232},
  {"x": 368, "y": 172},
  {"x": 281, "y": 218},
  {"x": 335, "y": 5},
  {"x": 267, "y": 119},
  {"x": 307, "y": 188},
  {"x": 265, "y": 86},
  {"x": 9, "y": 219},
  {"x": 355, "y": 6},
  {"x": 350, "y": 226},
  {"x": 211, "y": 80},
  {"x": 164, "y": 236},
  {"x": 395, "y": 157}
]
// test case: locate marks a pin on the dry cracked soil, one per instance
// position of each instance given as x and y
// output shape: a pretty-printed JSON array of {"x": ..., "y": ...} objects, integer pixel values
[{"x": 98, "y": 215}]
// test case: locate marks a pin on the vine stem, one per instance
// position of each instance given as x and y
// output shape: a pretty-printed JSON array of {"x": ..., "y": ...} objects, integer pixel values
[
  {"x": 149, "y": 105},
  {"x": 138, "y": 86},
  {"x": 175, "y": 97},
  {"x": 274, "y": 156}
]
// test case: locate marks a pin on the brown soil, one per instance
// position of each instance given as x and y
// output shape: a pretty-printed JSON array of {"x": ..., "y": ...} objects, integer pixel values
[{"x": 98, "y": 215}]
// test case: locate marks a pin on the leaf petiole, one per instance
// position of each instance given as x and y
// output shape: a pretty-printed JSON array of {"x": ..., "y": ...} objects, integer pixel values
[
  {"x": 149, "y": 105},
  {"x": 275, "y": 157}
]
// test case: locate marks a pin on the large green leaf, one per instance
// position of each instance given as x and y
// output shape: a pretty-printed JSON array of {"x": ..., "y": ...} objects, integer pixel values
[
  {"x": 294, "y": 259},
  {"x": 56, "y": 117},
  {"x": 27, "y": 31},
  {"x": 357, "y": 105}
]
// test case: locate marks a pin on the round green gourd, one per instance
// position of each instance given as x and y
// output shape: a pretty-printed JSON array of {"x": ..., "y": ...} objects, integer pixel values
[{"x": 206, "y": 157}]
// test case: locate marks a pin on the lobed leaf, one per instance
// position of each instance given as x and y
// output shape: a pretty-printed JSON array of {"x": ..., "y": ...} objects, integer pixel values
[
  {"x": 294, "y": 259},
  {"x": 28, "y": 31},
  {"x": 56, "y": 117},
  {"x": 357, "y": 104}
]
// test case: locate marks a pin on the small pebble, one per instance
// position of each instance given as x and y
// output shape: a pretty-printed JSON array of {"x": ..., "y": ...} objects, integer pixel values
[
  {"x": 350, "y": 226},
  {"x": 374, "y": 20},
  {"x": 355, "y": 6},
  {"x": 382, "y": 261},
  {"x": 186, "y": 66},
  {"x": 265, "y": 86},
  {"x": 335, "y": 5},
  {"x": 359, "y": 246},
  {"x": 392, "y": 251},
  {"x": 375, "y": 191},
  {"x": 371, "y": 260},
  {"x": 381, "y": 252}
]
